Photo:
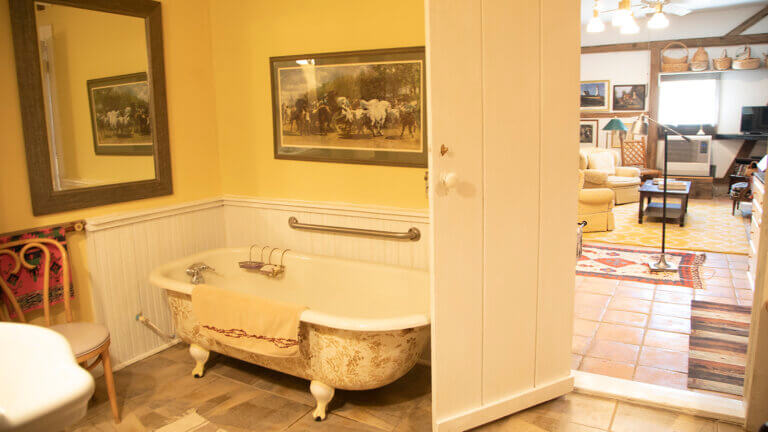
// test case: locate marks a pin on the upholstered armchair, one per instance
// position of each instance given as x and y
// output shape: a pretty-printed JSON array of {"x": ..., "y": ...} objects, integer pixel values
[
  {"x": 595, "y": 207},
  {"x": 602, "y": 170}
]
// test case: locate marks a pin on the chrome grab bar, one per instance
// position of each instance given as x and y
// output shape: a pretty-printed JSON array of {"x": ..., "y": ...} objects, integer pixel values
[{"x": 412, "y": 234}]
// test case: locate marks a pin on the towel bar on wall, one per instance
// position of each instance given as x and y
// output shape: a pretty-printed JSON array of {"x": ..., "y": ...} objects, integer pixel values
[
  {"x": 412, "y": 234},
  {"x": 73, "y": 226}
]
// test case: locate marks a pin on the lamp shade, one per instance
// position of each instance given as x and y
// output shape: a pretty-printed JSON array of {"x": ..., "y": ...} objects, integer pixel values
[
  {"x": 640, "y": 126},
  {"x": 615, "y": 125}
]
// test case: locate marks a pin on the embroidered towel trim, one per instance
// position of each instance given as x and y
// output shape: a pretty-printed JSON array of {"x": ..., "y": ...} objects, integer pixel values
[{"x": 247, "y": 322}]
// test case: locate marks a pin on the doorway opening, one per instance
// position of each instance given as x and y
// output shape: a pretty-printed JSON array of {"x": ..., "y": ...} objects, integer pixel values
[{"x": 647, "y": 88}]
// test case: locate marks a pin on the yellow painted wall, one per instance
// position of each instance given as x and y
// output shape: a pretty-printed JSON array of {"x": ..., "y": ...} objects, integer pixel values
[
  {"x": 192, "y": 125},
  {"x": 245, "y": 34},
  {"x": 89, "y": 45},
  {"x": 217, "y": 74}
]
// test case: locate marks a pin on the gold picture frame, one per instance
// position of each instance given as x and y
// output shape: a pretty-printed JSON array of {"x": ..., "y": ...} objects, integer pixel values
[
  {"x": 595, "y": 95},
  {"x": 362, "y": 107}
]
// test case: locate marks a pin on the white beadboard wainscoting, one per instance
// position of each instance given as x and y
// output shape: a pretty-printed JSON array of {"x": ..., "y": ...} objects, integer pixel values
[
  {"x": 265, "y": 222},
  {"x": 124, "y": 248}
]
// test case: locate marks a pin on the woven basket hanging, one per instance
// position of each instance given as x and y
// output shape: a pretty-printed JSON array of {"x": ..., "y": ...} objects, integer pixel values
[
  {"x": 723, "y": 62},
  {"x": 700, "y": 60},
  {"x": 746, "y": 61},
  {"x": 674, "y": 64}
]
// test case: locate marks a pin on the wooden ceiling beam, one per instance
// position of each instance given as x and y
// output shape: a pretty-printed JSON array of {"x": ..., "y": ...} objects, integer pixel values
[
  {"x": 754, "y": 19},
  {"x": 692, "y": 42}
]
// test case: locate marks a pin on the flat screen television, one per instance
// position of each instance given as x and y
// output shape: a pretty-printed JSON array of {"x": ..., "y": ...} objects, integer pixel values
[{"x": 754, "y": 120}]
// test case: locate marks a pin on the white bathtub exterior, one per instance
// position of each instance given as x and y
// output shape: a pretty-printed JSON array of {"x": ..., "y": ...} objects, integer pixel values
[{"x": 366, "y": 325}]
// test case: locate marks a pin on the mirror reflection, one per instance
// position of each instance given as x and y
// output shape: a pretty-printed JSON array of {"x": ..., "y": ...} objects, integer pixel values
[{"x": 97, "y": 96}]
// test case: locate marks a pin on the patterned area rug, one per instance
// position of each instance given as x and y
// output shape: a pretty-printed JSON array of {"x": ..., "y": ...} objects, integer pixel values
[
  {"x": 717, "y": 354},
  {"x": 613, "y": 262},
  {"x": 709, "y": 227}
]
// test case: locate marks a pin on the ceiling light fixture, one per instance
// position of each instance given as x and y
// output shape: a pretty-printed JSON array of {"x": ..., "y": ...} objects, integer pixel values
[
  {"x": 630, "y": 26},
  {"x": 595, "y": 25},
  {"x": 622, "y": 14},
  {"x": 658, "y": 20}
]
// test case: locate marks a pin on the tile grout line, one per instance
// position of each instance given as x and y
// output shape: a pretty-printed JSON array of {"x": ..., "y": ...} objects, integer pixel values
[
  {"x": 645, "y": 333},
  {"x": 613, "y": 415},
  {"x": 262, "y": 390}
]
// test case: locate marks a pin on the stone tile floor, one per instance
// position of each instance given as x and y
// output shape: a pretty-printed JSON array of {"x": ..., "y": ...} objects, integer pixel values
[
  {"x": 236, "y": 397},
  {"x": 640, "y": 331}
]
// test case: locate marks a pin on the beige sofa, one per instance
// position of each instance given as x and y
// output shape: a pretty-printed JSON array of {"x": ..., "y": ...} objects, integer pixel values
[
  {"x": 595, "y": 207},
  {"x": 602, "y": 170}
]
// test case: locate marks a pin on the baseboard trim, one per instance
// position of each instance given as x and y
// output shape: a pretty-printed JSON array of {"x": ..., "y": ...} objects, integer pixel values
[
  {"x": 149, "y": 353},
  {"x": 505, "y": 407},
  {"x": 687, "y": 402}
]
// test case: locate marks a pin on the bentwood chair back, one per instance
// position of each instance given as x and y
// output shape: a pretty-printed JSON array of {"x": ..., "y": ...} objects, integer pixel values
[{"x": 89, "y": 341}]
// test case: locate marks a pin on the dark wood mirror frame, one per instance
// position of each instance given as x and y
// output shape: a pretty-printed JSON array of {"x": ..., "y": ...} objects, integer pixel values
[{"x": 45, "y": 199}]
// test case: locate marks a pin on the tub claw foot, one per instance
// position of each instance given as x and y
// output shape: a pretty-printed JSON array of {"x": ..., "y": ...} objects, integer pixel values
[
  {"x": 323, "y": 394},
  {"x": 200, "y": 355}
]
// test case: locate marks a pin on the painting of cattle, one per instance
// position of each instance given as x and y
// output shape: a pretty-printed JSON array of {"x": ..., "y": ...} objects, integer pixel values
[
  {"x": 120, "y": 115},
  {"x": 351, "y": 107}
]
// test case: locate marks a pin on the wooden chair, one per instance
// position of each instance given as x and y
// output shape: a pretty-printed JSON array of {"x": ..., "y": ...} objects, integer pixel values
[
  {"x": 633, "y": 154},
  {"x": 89, "y": 341},
  {"x": 739, "y": 192}
]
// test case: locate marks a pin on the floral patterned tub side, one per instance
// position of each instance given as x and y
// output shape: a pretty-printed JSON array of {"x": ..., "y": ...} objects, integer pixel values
[{"x": 344, "y": 359}]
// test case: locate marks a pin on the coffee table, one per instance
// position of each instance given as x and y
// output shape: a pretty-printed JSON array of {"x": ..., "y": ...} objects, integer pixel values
[{"x": 648, "y": 191}]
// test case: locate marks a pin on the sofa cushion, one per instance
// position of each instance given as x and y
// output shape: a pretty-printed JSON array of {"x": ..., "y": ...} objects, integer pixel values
[
  {"x": 603, "y": 161},
  {"x": 616, "y": 181}
]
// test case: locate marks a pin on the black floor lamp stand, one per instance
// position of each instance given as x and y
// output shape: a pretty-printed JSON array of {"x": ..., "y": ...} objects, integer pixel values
[{"x": 640, "y": 127}]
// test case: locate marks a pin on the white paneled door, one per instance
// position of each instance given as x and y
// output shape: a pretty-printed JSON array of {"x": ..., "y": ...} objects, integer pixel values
[{"x": 503, "y": 79}]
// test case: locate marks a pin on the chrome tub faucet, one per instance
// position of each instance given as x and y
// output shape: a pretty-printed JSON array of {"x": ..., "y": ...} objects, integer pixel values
[{"x": 196, "y": 272}]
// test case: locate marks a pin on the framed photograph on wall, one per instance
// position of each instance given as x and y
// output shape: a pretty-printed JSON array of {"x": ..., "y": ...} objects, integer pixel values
[
  {"x": 120, "y": 115},
  {"x": 629, "y": 97},
  {"x": 594, "y": 95},
  {"x": 588, "y": 133},
  {"x": 365, "y": 107}
]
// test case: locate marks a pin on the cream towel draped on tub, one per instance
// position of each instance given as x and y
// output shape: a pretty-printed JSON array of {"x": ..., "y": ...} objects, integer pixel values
[{"x": 247, "y": 322}]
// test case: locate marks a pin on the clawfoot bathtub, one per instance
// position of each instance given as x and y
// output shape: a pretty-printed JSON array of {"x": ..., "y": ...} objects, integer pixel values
[{"x": 366, "y": 326}]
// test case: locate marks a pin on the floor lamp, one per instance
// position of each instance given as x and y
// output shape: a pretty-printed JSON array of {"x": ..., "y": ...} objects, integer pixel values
[{"x": 640, "y": 127}]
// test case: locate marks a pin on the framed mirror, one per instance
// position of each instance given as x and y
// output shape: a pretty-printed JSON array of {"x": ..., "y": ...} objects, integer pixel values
[{"x": 93, "y": 102}]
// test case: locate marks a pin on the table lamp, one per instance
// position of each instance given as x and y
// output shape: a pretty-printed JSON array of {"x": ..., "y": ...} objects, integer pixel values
[{"x": 615, "y": 126}]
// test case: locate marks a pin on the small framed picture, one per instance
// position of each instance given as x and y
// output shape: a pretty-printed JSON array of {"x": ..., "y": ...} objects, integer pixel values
[
  {"x": 588, "y": 133},
  {"x": 594, "y": 95},
  {"x": 630, "y": 97}
]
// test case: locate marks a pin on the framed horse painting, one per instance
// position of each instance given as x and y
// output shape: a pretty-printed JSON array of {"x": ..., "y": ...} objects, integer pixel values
[
  {"x": 363, "y": 107},
  {"x": 120, "y": 115}
]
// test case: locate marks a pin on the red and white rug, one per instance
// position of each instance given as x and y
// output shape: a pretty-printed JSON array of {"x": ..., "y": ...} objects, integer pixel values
[{"x": 628, "y": 263}]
